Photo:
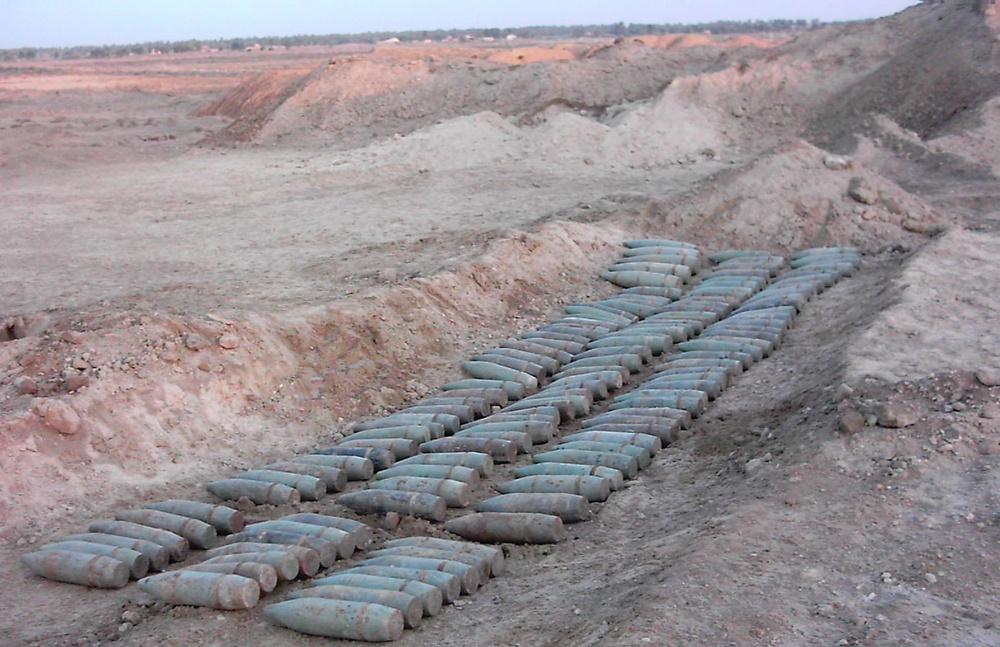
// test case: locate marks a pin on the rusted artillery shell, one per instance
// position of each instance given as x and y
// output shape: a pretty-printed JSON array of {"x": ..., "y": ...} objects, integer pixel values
[
  {"x": 310, "y": 488},
  {"x": 198, "y": 533},
  {"x": 177, "y": 545},
  {"x": 712, "y": 388},
  {"x": 568, "y": 507},
  {"x": 448, "y": 584},
  {"x": 614, "y": 478},
  {"x": 478, "y": 406},
  {"x": 631, "y": 361},
  {"x": 203, "y": 589},
  {"x": 694, "y": 401},
  {"x": 610, "y": 379},
  {"x": 415, "y": 504},
  {"x": 338, "y": 619},
  {"x": 491, "y": 371},
  {"x": 260, "y": 492},
  {"x": 482, "y": 463},
  {"x": 638, "y": 416},
  {"x": 356, "y": 468},
  {"x": 626, "y": 374},
  {"x": 399, "y": 447},
  {"x": 380, "y": 458},
  {"x": 326, "y": 549},
  {"x": 522, "y": 441},
  {"x": 514, "y": 390},
  {"x": 408, "y": 605},
  {"x": 419, "y": 433},
  {"x": 554, "y": 351},
  {"x": 283, "y": 563},
  {"x": 429, "y": 596},
  {"x": 74, "y": 567},
  {"x": 454, "y": 472},
  {"x": 450, "y": 422},
  {"x": 158, "y": 556},
  {"x": 593, "y": 488},
  {"x": 480, "y": 562},
  {"x": 343, "y": 539},
  {"x": 657, "y": 343},
  {"x": 546, "y": 415},
  {"x": 502, "y": 451},
  {"x": 138, "y": 564},
  {"x": 509, "y": 527},
  {"x": 224, "y": 519},
  {"x": 642, "y": 456},
  {"x": 467, "y": 575},
  {"x": 308, "y": 559},
  {"x": 549, "y": 336},
  {"x": 643, "y": 351},
  {"x": 539, "y": 431},
  {"x": 464, "y": 413},
  {"x": 497, "y": 562},
  {"x": 595, "y": 389},
  {"x": 334, "y": 479},
  {"x": 627, "y": 465},
  {"x": 497, "y": 397},
  {"x": 263, "y": 574},
  {"x": 456, "y": 494},
  {"x": 361, "y": 532},
  {"x": 550, "y": 364},
  {"x": 570, "y": 405},
  {"x": 646, "y": 441}
]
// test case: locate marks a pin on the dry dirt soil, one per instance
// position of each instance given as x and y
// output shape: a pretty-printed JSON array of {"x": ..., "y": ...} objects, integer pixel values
[{"x": 209, "y": 261}]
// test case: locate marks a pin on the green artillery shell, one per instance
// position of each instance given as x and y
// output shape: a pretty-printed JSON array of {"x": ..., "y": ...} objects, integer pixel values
[
  {"x": 263, "y": 574},
  {"x": 380, "y": 458},
  {"x": 356, "y": 468},
  {"x": 496, "y": 397},
  {"x": 198, "y": 533},
  {"x": 568, "y": 507},
  {"x": 634, "y": 278},
  {"x": 224, "y": 519},
  {"x": 479, "y": 406},
  {"x": 509, "y": 527},
  {"x": 85, "y": 569},
  {"x": 343, "y": 539},
  {"x": 627, "y": 465},
  {"x": 521, "y": 439},
  {"x": 408, "y": 605},
  {"x": 646, "y": 441},
  {"x": 415, "y": 504},
  {"x": 539, "y": 431},
  {"x": 430, "y": 597},
  {"x": 502, "y": 451},
  {"x": 334, "y": 479},
  {"x": 308, "y": 559},
  {"x": 554, "y": 352},
  {"x": 464, "y": 413},
  {"x": 338, "y": 619},
  {"x": 641, "y": 455},
  {"x": 177, "y": 545},
  {"x": 362, "y": 533},
  {"x": 399, "y": 447},
  {"x": 687, "y": 399},
  {"x": 138, "y": 564},
  {"x": 419, "y": 433},
  {"x": 482, "y": 463},
  {"x": 326, "y": 549},
  {"x": 514, "y": 390},
  {"x": 201, "y": 589},
  {"x": 630, "y": 361},
  {"x": 593, "y": 488},
  {"x": 310, "y": 488},
  {"x": 480, "y": 562},
  {"x": 158, "y": 556},
  {"x": 497, "y": 562},
  {"x": 614, "y": 478},
  {"x": 491, "y": 371},
  {"x": 454, "y": 472},
  {"x": 449, "y": 422},
  {"x": 449, "y": 585},
  {"x": 260, "y": 492},
  {"x": 467, "y": 575},
  {"x": 284, "y": 564}
]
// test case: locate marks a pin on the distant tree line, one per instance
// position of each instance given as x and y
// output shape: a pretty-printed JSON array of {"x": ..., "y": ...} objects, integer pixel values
[{"x": 532, "y": 33}]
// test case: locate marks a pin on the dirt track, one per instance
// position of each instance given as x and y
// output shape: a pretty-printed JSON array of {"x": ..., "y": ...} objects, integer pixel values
[{"x": 362, "y": 239}]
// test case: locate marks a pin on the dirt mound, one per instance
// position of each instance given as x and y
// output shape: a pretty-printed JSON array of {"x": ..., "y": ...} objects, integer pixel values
[{"x": 535, "y": 54}]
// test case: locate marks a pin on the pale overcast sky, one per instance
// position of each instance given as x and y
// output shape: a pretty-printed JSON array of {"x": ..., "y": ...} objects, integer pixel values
[{"x": 59, "y": 23}]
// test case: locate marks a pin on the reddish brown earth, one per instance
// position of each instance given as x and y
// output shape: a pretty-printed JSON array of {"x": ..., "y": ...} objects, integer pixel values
[{"x": 214, "y": 260}]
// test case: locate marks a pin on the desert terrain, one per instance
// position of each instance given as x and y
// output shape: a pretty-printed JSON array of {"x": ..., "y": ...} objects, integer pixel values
[{"x": 209, "y": 261}]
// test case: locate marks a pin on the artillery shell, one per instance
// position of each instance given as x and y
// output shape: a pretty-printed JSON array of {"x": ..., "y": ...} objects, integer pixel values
[
  {"x": 202, "y": 589},
  {"x": 343, "y": 539},
  {"x": 514, "y": 390},
  {"x": 448, "y": 584},
  {"x": 481, "y": 562},
  {"x": 419, "y": 433},
  {"x": 380, "y": 458},
  {"x": 521, "y": 439},
  {"x": 540, "y": 431},
  {"x": 333, "y": 478},
  {"x": 568, "y": 507},
  {"x": 449, "y": 422},
  {"x": 356, "y": 468},
  {"x": 496, "y": 397},
  {"x": 260, "y": 492},
  {"x": 497, "y": 562},
  {"x": 310, "y": 488},
  {"x": 467, "y": 575},
  {"x": 284, "y": 564},
  {"x": 482, "y": 463},
  {"x": 198, "y": 533},
  {"x": 224, "y": 519},
  {"x": 263, "y": 574},
  {"x": 415, "y": 504},
  {"x": 74, "y": 567},
  {"x": 453, "y": 472},
  {"x": 177, "y": 545},
  {"x": 158, "y": 556},
  {"x": 361, "y": 532},
  {"x": 338, "y": 619},
  {"x": 509, "y": 527},
  {"x": 642, "y": 456},
  {"x": 593, "y": 488},
  {"x": 627, "y": 465},
  {"x": 646, "y": 441},
  {"x": 399, "y": 447},
  {"x": 464, "y": 413},
  {"x": 502, "y": 451},
  {"x": 308, "y": 559},
  {"x": 408, "y": 605},
  {"x": 491, "y": 371},
  {"x": 615, "y": 478},
  {"x": 138, "y": 564},
  {"x": 430, "y": 597},
  {"x": 326, "y": 549}
]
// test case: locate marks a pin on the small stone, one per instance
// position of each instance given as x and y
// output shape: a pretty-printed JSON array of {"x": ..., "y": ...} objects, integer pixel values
[
  {"x": 58, "y": 415},
  {"x": 844, "y": 391},
  {"x": 76, "y": 381},
  {"x": 130, "y": 616},
  {"x": 244, "y": 504},
  {"x": 229, "y": 341},
  {"x": 897, "y": 415},
  {"x": 80, "y": 364},
  {"x": 205, "y": 365},
  {"x": 391, "y": 520},
  {"x": 74, "y": 337},
  {"x": 989, "y": 446},
  {"x": 837, "y": 162},
  {"x": 930, "y": 577},
  {"x": 753, "y": 465},
  {"x": 988, "y": 376},
  {"x": 861, "y": 190},
  {"x": 887, "y": 577},
  {"x": 958, "y": 406},
  {"x": 25, "y": 385},
  {"x": 195, "y": 342},
  {"x": 851, "y": 420},
  {"x": 124, "y": 627}
]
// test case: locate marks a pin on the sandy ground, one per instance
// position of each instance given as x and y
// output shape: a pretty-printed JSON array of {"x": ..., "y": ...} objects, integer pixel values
[{"x": 212, "y": 261}]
